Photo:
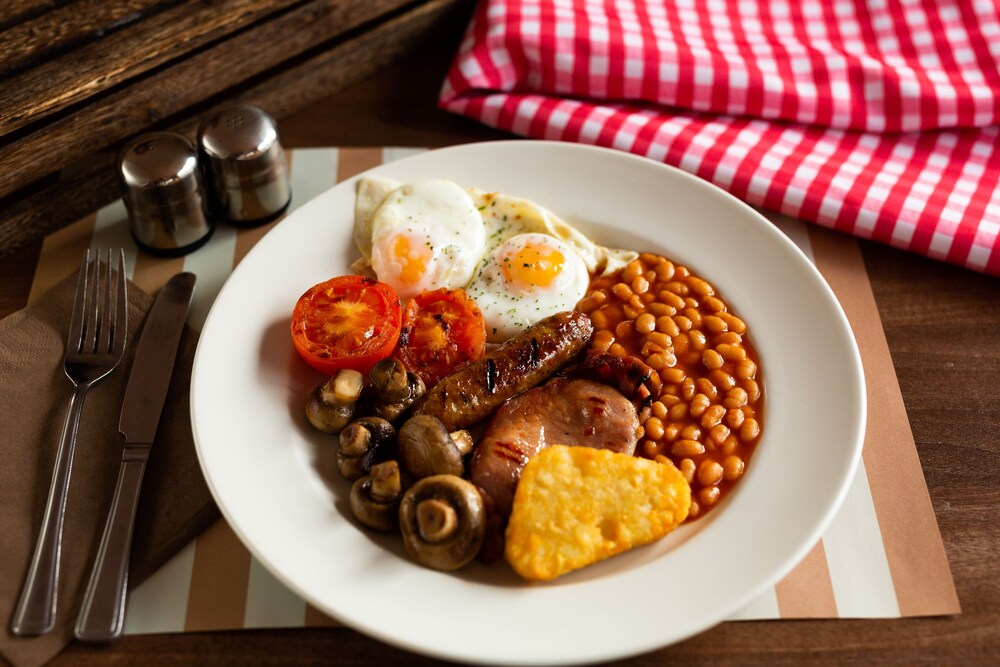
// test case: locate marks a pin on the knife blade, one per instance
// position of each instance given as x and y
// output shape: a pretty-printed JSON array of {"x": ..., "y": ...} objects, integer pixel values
[{"x": 102, "y": 615}]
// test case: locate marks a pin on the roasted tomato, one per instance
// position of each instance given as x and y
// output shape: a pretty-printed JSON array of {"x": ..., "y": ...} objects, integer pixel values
[
  {"x": 346, "y": 322},
  {"x": 442, "y": 331}
]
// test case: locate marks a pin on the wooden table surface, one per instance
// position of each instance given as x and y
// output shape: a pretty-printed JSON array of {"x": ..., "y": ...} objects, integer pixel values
[{"x": 943, "y": 328}]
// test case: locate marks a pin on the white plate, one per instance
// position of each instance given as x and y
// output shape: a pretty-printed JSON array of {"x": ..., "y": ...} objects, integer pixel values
[{"x": 266, "y": 466}]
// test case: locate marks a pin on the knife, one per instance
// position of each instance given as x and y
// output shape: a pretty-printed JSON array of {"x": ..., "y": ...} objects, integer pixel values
[{"x": 102, "y": 615}]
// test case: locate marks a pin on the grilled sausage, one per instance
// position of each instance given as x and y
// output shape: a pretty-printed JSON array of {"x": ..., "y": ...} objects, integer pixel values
[{"x": 473, "y": 392}]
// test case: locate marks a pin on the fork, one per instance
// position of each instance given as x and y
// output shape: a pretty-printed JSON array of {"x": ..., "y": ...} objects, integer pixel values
[{"x": 93, "y": 349}]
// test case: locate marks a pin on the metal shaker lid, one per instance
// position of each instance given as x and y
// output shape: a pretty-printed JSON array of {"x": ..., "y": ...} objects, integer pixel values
[
  {"x": 163, "y": 192},
  {"x": 245, "y": 163}
]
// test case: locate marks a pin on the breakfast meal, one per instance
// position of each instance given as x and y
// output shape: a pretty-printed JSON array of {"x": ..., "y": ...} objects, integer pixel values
[{"x": 500, "y": 386}]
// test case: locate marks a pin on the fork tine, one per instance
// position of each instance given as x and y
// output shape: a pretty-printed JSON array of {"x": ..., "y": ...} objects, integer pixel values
[
  {"x": 75, "y": 336},
  {"x": 121, "y": 308},
  {"x": 104, "y": 345},
  {"x": 90, "y": 333}
]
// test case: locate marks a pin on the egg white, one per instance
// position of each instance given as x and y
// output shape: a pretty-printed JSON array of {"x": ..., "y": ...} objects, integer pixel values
[{"x": 511, "y": 305}]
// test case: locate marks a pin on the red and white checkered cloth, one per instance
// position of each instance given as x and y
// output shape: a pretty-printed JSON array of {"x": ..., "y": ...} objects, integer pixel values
[{"x": 880, "y": 118}]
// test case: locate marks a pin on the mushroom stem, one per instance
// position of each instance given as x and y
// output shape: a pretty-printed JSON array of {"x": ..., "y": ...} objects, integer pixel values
[
  {"x": 462, "y": 440},
  {"x": 386, "y": 483},
  {"x": 332, "y": 404},
  {"x": 354, "y": 440},
  {"x": 347, "y": 386},
  {"x": 436, "y": 520}
]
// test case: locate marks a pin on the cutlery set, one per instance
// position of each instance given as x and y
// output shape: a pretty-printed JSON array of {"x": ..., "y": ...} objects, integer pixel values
[{"x": 94, "y": 348}]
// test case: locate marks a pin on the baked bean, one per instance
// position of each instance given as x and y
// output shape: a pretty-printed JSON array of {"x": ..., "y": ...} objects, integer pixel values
[
  {"x": 722, "y": 380},
  {"x": 645, "y": 323},
  {"x": 599, "y": 320},
  {"x": 734, "y": 418},
  {"x": 670, "y": 299},
  {"x": 712, "y": 304},
  {"x": 745, "y": 370},
  {"x": 669, "y": 400},
  {"x": 715, "y": 324},
  {"x": 712, "y": 416},
  {"x": 700, "y": 287},
  {"x": 632, "y": 312},
  {"x": 698, "y": 340},
  {"x": 665, "y": 324},
  {"x": 617, "y": 350},
  {"x": 728, "y": 338},
  {"x": 682, "y": 272},
  {"x": 636, "y": 301},
  {"x": 650, "y": 449},
  {"x": 748, "y": 411},
  {"x": 659, "y": 309},
  {"x": 687, "y": 468},
  {"x": 704, "y": 386},
  {"x": 648, "y": 298},
  {"x": 622, "y": 292},
  {"x": 649, "y": 348},
  {"x": 673, "y": 375},
  {"x": 732, "y": 467},
  {"x": 664, "y": 270},
  {"x": 693, "y": 315},
  {"x": 654, "y": 428},
  {"x": 678, "y": 411},
  {"x": 687, "y": 389},
  {"x": 650, "y": 276},
  {"x": 687, "y": 448},
  {"x": 672, "y": 431},
  {"x": 649, "y": 258},
  {"x": 640, "y": 432},
  {"x": 712, "y": 359},
  {"x": 678, "y": 288},
  {"x": 657, "y": 361},
  {"x": 587, "y": 305},
  {"x": 602, "y": 340},
  {"x": 749, "y": 430},
  {"x": 658, "y": 409},
  {"x": 732, "y": 352},
  {"x": 731, "y": 444},
  {"x": 632, "y": 270},
  {"x": 735, "y": 323},
  {"x": 699, "y": 404},
  {"x": 735, "y": 398},
  {"x": 624, "y": 329},
  {"x": 752, "y": 389},
  {"x": 690, "y": 302},
  {"x": 661, "y": 339},
  {"x": 640, "y": 285},
  {"x": 709, "y": 472},
  {"x": 691, "y": 432},
  {"x": 683, "y": 323},
  {"x": 695, "y": 510},
  {"x": 718, "y": 434},
  {"x": 709, "y": 495}
]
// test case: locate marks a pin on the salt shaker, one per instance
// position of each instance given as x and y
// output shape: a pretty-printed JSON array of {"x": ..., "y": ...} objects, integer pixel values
[
  {"x": 163, "y": 192},
  {"x": 245, "y": 165}
]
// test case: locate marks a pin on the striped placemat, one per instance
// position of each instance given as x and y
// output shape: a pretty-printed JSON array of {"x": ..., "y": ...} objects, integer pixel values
[{"x": 882, "y": 557}]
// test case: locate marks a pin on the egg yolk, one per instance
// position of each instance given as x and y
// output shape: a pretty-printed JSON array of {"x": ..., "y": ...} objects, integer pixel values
[
  {"x": 411, "y": 261},
  {"x": 533, "y": 266}
]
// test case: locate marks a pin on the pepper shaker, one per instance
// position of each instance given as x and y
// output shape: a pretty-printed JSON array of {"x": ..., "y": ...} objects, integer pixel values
[
  {"x": 163, "y": 192},
  {"x": 246, "y": 167}
]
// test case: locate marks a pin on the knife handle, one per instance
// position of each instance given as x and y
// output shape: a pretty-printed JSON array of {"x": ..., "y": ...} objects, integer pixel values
[{"x": 102, "y": 616}]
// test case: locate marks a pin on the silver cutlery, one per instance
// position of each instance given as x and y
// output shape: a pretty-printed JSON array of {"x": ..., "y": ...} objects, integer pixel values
[
  {"x": 94, "y": 348},
  {"x": 102, "y": 615}
]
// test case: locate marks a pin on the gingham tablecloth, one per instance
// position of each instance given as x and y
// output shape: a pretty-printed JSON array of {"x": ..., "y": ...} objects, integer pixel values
[{"x": 878, "y": 118}]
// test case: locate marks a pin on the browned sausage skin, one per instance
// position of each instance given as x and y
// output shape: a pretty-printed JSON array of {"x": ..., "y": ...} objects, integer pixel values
[{"x": 472, "y": 393}]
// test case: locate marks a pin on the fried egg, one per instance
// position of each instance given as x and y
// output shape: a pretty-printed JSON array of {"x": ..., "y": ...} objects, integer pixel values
[
  {"x": 435, "y": 234},
  {"x": 426, "y": 236},
  {"x": 524, "y": 279}
]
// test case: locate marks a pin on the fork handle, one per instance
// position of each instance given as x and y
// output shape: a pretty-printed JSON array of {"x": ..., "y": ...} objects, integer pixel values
[
  {"x": 36, "y": 608},
  {"x": 102, "y": 616}
]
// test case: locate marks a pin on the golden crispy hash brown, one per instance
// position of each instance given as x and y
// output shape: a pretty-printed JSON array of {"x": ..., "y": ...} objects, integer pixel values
[{"x": 575, "y": 506}]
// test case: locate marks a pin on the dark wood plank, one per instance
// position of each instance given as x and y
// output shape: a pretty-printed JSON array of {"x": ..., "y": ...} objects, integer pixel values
[
  {"x": 13, "y": 12},
  {"x": 66, "y": 27},
  {"x": 89, "y": 184},
  {"x": 78, "y": 75},
  {"x": 174, "y": 89}
]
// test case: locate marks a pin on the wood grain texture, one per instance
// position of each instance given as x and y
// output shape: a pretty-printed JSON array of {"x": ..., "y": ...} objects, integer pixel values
[
  {"x": 56, "y": 84},
  {"x": 65, "y": 27},
  {"x": 90, "y": 183},
  {"x": 109, "y": 119}
]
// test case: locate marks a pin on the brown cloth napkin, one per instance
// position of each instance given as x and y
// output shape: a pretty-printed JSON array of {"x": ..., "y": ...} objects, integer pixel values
[{"x": 175, "y": 505}]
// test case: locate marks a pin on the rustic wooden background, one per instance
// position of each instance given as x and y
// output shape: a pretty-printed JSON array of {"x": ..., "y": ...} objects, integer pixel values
[{"x": 80, "y": 77}]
